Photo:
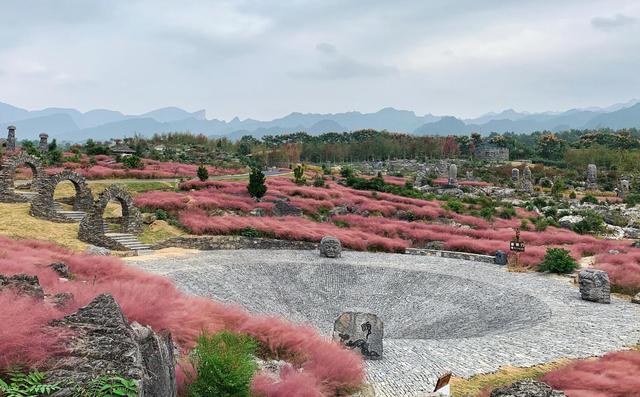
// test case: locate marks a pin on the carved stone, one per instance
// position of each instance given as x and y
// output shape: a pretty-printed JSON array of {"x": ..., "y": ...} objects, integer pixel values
[
  {"x": 515, "y": 174},
  {"x": 592, "y": 176},
  {"x": 594, "y": 286},
  {"x": 453, "y": 175},
  {"x": 92, "y": 225},
  {"x": 103, "y": 343},
  {"x": 330, "y": 247},
  {"x": 43, "y": 145},
  {"x": 11, "y": 138},
  {"x": 526, "y": 184},
  {"x": 42, "y": 205},
  {"x": 362, "y": 332}
]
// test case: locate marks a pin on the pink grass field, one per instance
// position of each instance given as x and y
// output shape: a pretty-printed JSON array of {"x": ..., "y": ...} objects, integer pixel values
[
  {"x": 381, "y": 229},
  {"x": 155, "y": 301}
]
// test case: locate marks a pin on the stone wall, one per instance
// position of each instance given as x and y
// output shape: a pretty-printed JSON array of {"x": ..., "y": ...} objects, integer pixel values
[
  {"x": 8, "y": 175},
  {"x": 42, "y": 205},
  {"x": 490, "y": 153},
  {"x": 92, "y": 226},
  {"x": 207, "y": 243},
  {"x": 451, "y": 254}
]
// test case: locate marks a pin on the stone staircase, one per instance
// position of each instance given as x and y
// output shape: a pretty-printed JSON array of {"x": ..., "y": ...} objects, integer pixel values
[
  {"x": 73, "y": 215},
  {"x": 28, "y": 194},
  {"x": 130, "y": 241}
]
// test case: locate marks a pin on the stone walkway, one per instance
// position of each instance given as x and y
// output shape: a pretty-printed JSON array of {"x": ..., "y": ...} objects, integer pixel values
[{"x": 439, "y": 314}]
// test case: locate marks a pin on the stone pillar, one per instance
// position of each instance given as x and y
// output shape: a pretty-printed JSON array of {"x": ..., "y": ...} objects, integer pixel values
[
  {"x": 594, "y": 286},
  {"x": 453, "y": 175},
  {"x": 592, "y": 176},
  {"x": 360, "y": 331},
  {"x": 515, "y": 174},
  {"x": 527, "y": 184},
  {"x": 11, "y": 138},
  {"x": 43, "y": 146}
]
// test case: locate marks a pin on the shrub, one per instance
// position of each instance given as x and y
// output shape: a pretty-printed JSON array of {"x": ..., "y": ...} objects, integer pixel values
[
  {"x": 203, "y": 173},
  {"x": 632, "y": 199},
  {"x": 589, "y": 198},
  {"x": 591, "y": 222},
  {"x": 454, "y": 205},
  {"x": 161, "y": 214},
  {"x": 223, "y": 365},
  {"x": 298, "y": 174},
  {"x": 572, "y": 195},
  {"x": 487, "y": 212},
  {"x": 507, "y": 212},
  {"x": 346, "y": 172},
  {"x": 557, "y": 260},
  {"x": 132, "y": 161},
  {"x": 541, "y": 224},
  {"x": 318, "y": 181},
  {"x": 524, "y": 224},
  {"x": 256, "y": 186}
]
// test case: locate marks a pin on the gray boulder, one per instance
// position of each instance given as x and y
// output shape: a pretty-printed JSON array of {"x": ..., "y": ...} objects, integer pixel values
[
  {"x": 103, "y": 343},
  {"x": 283, "y": 208},
  {"x": 569, "y": 220},
  {"x": 500, "y": 258},
  {"x": 99, "y": 251},
  {"x": 22, "y": 284},
  {"x": 61, "y": 268},
  {"x": 527, "y": 388},
  {"x": 362, "y": 332},
  {"x": 636, "y": 299},
  {"x": 595, "y": 286},
  {"x": 330, "y": 247}
]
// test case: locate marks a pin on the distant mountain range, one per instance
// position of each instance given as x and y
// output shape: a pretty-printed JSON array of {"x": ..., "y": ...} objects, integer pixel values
[{"x": 74, "y": 126}]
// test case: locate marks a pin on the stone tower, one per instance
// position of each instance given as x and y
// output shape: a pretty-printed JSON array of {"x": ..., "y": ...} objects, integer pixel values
[
  {"x": 43, "y": 146},
  {"x": 11, "y": 138}
]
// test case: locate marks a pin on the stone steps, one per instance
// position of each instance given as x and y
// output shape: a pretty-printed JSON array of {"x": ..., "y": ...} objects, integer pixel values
[
  {"x": 130, "y": 241},
  {"x": 29, "y": 195},
  {"x": 74, "y": 215}
]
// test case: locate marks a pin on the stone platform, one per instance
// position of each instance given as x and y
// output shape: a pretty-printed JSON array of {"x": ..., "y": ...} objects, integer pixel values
[{"x": 439, "y": 313}]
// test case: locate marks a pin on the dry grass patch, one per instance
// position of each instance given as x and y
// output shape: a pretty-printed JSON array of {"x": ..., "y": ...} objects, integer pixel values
[
  {"x": 159, "y": 231},
  {"x": 17, "y": 223},
  {"x": 505, "y": 376}
]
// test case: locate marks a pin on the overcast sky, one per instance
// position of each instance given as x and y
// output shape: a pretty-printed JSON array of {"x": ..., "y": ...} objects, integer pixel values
[{"x": 264, "y": 59}]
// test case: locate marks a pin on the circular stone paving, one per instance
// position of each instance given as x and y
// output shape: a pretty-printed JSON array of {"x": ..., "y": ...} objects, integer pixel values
[{"x": 439, "y": 314}]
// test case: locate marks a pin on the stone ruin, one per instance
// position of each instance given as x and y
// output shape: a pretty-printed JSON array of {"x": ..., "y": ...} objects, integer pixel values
[
  {"x": 11, "y": 138},
  {"x": 330, "y": 247},
  {"x": 92, "y": 225},
  {"x": 592, "y": 177},
  {"x": 492, "y": 153},
  {"x": 43, "y": 145},
  {"x": 453, "y": 176},
  {"x": 361, "y": 331},
  {"x": 42, "y": 205},
  {"x": 526, "y": 184},
  {"x": 515, "y": 175},
  {"x": 8, "y": 175},
  {"x": 594, "y": 286}
]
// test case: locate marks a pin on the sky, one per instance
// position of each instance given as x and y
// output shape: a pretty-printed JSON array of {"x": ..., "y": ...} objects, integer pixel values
[{"x": 265, "y": 59}]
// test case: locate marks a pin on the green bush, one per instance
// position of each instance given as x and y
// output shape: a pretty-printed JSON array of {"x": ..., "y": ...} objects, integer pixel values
[
  {"x": 589, "y": 198},
  {"x": 132, "y": 161},
  {"x": 487, "y": 212},
  {"x": 454, "y": 205},
  {"x": 346, "y": 172},
  {"x": 572, "y": 195},
  {"x": 203, "y": 173},
  {"x": 161, "y": 214},
  {"x": 524, "y": 224},
  {"x": 632, "y": 199},
  {"x": 507, "y": 212},
  {"x": 541, "y": 224},
  {"x": 256, "y": 186},
  {"x": 223, "y": 364},
  {"x": 557, "y": 260},
  {"x": 591, "y": 222},
  {"x": 318, "y": 181}
]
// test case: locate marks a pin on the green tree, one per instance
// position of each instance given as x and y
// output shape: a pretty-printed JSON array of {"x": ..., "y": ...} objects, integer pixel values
[
  {"x": 257, "y": 187},
  {"x": 298, "y": 174},
  {"x": 132, "y": 161},
  {"x": 203, "y": 173}
]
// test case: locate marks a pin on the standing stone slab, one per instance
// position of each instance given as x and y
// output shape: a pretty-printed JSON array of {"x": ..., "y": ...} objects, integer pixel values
[
  {"x": 501, "y": 258},
  {"x": 526, "y": 184},
  {"x": 360, "y": 331},
  {"x": 43, "y": 145},
  {"x": 11, "y": 138},
  {"x": 453, "y": 175},
  {"x": 594, "y": 286},
  {"x": 515, "y": 174},
  {"x": 330, "y": 247},
  {"x": 592, "y": 176}
]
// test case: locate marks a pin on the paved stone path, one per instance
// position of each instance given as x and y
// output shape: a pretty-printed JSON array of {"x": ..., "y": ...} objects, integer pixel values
[{"x": 439, "y": 314}]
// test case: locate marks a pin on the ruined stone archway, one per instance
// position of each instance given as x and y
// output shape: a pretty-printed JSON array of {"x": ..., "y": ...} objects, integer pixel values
[
  {"x": 8, "y": 175},
  {"x": 92, "y": 226},
  {"x": 42, "y": 205}
]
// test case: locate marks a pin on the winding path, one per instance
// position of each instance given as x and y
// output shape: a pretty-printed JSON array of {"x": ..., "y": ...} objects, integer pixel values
[{"x": 439, "y": 314}]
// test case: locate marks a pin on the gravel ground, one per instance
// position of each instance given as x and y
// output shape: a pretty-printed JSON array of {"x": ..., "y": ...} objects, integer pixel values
[{"x": 439, "y": 314}]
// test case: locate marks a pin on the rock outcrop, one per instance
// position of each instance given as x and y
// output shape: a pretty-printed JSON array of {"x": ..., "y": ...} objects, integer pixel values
[
  {"x": 22, "y": 284},
  {"x": 102, "y": 342},
  {"x": 527, "y": 388}
]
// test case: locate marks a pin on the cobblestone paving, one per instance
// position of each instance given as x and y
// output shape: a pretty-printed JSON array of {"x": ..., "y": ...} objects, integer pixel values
[{"x": 440, "y": 314}]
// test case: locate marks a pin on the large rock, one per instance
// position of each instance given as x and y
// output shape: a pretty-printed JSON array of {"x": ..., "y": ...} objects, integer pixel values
[
  {"x": 636, "y": 299},
  {"x": 330, "y": 247},
  {"x": 22, "y": 284},
  {"x": 103, "y": 343},
  {"x": 527, "y": 388},
  {"x": 282, "y": 207},
  {"x": 360, "y": 331},
  {"x": 594, "y": 286},
  {"x": 500, "y": 258},
  {"x": 568, "y": 221}
]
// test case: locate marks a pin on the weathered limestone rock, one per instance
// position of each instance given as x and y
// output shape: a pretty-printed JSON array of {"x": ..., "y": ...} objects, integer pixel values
[
  {"x": 594, "y": 286},
  {"x": 284, "y": 208},
  {"x": 361, "y": 331},
  {"x": 636, "y": 299},
  {"x": 330, "y": 247},
  {"x": 62, "y": 299},
  {"x": 569, "y": 220},
  {"x": 104, "y": 343},
  {"x": 100, "y": 251},
  {"x": 592, "y": 176},
  {"x": 61, "y": 268},
  {"x": 501, "y": 258},
  {"x": 22, "y": 284},
  {"x": 258, "y": 211},
  {"x": 11, "y": 138},
  {"x": 339, "y": 210},
  {"x": 526, "y": 184},
  {"x": 527, "y": 388}
]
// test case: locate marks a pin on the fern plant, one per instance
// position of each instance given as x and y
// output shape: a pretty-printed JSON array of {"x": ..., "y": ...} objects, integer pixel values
[
  {"x": 109, "y": 386},
  {"x": 27, "y": 385}
]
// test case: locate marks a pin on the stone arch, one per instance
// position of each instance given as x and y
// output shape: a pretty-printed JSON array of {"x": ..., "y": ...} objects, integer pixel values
[
  {"x": 8, "y": 175},
  {"x": 92, "y": 225},
  {"x": 42, "y": 205}
]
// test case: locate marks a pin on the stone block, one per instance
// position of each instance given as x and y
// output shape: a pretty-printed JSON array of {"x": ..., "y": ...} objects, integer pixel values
[
  {"x": 330, "y": 247},
  {"x": 501, "y": 258},
  {"x": 594, "y": 286},
  {"x": 360, "y": 331}
]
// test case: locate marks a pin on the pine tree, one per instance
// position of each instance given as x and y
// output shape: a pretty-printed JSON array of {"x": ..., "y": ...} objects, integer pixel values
[
  {"x": 203, "y": 173},
  {"x": 256, "y": 186}
]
